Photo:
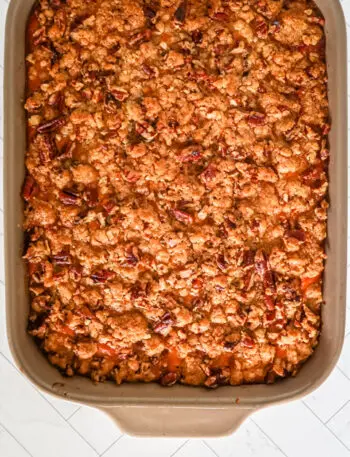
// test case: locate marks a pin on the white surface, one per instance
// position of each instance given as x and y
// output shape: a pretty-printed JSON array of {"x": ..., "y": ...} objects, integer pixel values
[{"x": 33, "y": 424}]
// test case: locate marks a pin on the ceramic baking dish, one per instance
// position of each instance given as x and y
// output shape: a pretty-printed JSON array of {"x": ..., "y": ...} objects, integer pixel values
[{"x": 152, "y": 410}]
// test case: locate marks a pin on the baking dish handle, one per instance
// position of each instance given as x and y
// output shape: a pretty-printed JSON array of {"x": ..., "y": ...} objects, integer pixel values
[{"x": 177, "y": 422}]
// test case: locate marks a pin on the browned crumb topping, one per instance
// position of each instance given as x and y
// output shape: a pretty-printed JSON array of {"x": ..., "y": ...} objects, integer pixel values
[{"x": 175, "y": 198}]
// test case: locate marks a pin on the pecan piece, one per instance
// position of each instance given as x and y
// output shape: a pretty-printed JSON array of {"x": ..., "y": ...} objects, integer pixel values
[
  {"x": 140, "y": 37},
  {"x": 102, "y": 276},
  {"x": 209, "y": 174},
  {"x": 221, "y": 262},
  {"x": 111, "y": 104},
  {"x": 191, "y": 154},
  {"x": 148, "y": 70},
  {"x": 131, "y": 257},
  {"x": 248, "y": 258},
  {"x": 263, "y": 269},
  {"x": 248, "y": 342},
  {"x": 211, "y": 382},
  {"x": 256, "y": 119},
  {"x": 221, "y": 17},
  {"x": 164, "y": 322},
  {"x": 168, "y": 379},
  {"x": 91, "y": 197},
  {"x": 197, "y": 36},
  {"x": 51, "y": 126},
  {"x": 109, "y": 204},
  {"x": 30, "y": 188},
  {"x": 62, "y": 258},
  {"x": 68, "y": 197},
  {"x": 180, "y": 13},
  {"x": 297, "y": 234},
  {"x": 149, "y": 12},
  {"x": 182, "y": 216},
  {"x": 261, "y": 28},
  {"x": 47, "y": 147}
]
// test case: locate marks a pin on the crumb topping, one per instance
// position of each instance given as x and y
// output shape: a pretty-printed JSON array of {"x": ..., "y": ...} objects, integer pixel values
[{"x": 176, "y": 187}]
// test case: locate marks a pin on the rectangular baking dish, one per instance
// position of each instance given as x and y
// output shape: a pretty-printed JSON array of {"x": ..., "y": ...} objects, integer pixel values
[{"x": 152, "y": 410}]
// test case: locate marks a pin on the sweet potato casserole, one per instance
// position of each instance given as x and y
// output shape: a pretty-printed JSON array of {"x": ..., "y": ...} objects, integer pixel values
[{"x": 176, "y": 187}]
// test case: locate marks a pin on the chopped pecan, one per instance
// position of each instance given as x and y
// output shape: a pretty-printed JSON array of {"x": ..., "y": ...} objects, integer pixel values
[
  {"x": 191, "y": 154},
  {"x": 148, "y": 70},
  {"x": 297, "y": 234},
  {"x": 111, "y": 104},
  {"x": 197, "y": 36},
  {"x": 221, "y": 17},
  {"x": 131, "y": 256},
  {"x": 221, "y": 262},
  {"x": 91, "y": 197},
  {"x": 263, "y": 269},
  {"x": 211, "y": 382},
  {"x": 256, "y": 119},
  {"x": 140, "y": 37},
  {"x": 51, "y": 126},
  {"x": 248, "y": 342},
  {"x": 248, "y": 258},
  {"x": 164, "y": 322},
  {"x": 261, "y": 28},
  {"x": 149, "y": 12},
  {"x": 63, "y": 258},
  {"x": 209, "y": 174},
  {"x": 181, "y": 11},
  {"x": 102, "y": 276},
  {"x": 182, "y": 216},
  {"x": 109, "y": 204},
  {"x": 168, "y": 379}
]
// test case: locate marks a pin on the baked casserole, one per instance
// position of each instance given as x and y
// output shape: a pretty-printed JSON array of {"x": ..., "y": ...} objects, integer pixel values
[{"x": 176, "y": 187}]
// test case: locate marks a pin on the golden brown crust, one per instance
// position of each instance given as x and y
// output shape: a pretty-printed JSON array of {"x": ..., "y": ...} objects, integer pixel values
[{"x": 175, "y": 199}]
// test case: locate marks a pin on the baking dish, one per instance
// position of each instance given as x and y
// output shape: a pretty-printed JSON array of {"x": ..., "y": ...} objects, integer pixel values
[{"x": 152, "y": 410}]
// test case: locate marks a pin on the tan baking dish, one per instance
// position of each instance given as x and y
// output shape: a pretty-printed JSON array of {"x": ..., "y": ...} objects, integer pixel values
[{"x": 152, "y": 410}]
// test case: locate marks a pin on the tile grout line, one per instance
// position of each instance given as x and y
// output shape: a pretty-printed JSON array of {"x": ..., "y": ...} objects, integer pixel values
[
  {"x": 338, "y": 411},
  {"x": 69, "y": 417},
  {"x": 111, "y": 445},
  {"x": 268, "y": 437},
  {"x": 212, "y": 450},
  {"x": 325, "y": 425},
  {"x": 8, "y": 431},
  {"x": 78, "y": 433},
  {"x": 52, "y": 406},
  {"x": 179, "y": 448},
  {"x": 343, "y": 372}
]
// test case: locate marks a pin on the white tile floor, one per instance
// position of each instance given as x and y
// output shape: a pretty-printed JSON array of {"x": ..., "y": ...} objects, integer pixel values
[{"x": 33, "y": 424}]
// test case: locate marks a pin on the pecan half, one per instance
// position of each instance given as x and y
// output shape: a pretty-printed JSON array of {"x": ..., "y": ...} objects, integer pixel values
[
  {"x": 51, "y": 126},
  {"x": 68, "y": 197},
  {"x": 47, "y": 147},
  {"x": 30, "y": 188}
]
